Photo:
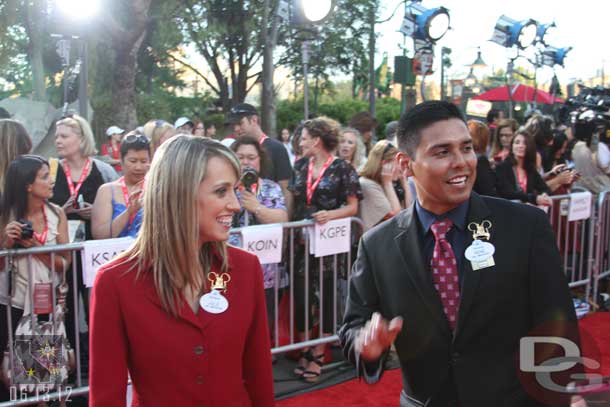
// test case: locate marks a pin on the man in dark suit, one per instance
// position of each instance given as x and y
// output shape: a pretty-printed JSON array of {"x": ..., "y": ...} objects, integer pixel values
[{"x": 456, "y": 319}]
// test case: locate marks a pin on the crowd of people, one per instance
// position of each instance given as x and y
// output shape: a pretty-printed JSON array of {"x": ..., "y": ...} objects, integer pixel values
[{"x": 150, "y": 182}]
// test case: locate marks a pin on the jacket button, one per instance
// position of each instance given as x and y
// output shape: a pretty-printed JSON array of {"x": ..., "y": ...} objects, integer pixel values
[
  {"x": 199, "y": 379},
  {"x": 198, "y": 350}
]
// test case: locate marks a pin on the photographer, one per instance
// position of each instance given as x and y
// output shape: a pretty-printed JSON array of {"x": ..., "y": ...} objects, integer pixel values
[
  {"x": 261, "y": 202},
  {"x": 27, "y": 220}
]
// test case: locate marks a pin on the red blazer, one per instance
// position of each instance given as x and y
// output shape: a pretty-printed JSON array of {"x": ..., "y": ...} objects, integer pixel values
[{"x": 194, "y": 360}]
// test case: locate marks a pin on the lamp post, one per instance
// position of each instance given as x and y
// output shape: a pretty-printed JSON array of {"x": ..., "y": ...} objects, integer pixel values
[
  {"x": 72, "y": 17},
  {"x": 308, "y": 14}
]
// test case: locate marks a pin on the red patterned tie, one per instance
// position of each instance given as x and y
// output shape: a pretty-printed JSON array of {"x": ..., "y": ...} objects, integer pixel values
[{"x": 444, "y": 270}]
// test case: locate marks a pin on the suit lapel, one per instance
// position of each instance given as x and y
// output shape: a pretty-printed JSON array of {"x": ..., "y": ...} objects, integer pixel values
[
  {"x": 477, "y": 213},
  {"x": 410, "y": 249}
]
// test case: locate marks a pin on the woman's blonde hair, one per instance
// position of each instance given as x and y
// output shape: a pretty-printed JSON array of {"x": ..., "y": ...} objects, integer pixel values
[
  {"x": 360, "y": 152},
  {"x": 382, "y": 151},
  {"x": 168, "y": 243},
  {"x": 14, "y": 141},
  {"x": 82, "y": 128},
  {"x": 154, "y": 130}
]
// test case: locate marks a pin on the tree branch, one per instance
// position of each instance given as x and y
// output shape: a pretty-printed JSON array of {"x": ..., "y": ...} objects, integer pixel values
[{"x": 195, "y": 70}]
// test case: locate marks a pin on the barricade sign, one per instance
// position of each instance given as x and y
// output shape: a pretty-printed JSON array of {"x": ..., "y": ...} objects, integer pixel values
[
  {"x": 98, "y": 252},
  {"x": 580, "y": 206},
  {"x": 332, "y": 238},
  {"x": 265, "y": 241}
]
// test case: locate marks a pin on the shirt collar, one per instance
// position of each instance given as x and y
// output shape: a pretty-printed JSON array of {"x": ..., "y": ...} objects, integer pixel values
[{"x": 457, "y": 215}]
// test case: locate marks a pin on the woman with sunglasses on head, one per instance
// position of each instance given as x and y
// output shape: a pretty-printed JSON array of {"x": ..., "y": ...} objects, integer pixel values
[
  {"x": 77, "y": 180},
  {"x": 117, "y": 210},
  {"x": 28, "y": 219},
  {"x": 180, "y": 310},
  {"x": 380, "y": 201}
]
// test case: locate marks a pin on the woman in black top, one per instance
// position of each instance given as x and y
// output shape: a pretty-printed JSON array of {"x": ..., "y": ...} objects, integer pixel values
[
  {"x": 324, "y": 188},
  {"x": 517, "y": 177},
  {"x": 78, "y": 178}
]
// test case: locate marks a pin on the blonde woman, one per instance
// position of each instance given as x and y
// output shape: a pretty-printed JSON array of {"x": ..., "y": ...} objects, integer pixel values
[
  {"x": 380, "y": 201},
  {"x": 351, "y": 147},
  {"x": 158, "y": 131},
  {"x": 14, "y": 141},
  {"x": 180, "y": 310}
]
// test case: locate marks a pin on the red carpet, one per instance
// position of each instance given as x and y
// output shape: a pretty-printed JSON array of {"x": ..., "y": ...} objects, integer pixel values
[{"x": 355, "y": 393}]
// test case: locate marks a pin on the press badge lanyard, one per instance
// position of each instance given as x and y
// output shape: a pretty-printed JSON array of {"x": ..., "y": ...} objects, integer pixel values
[
  {"x": 74, "y": 190},
  {"x": 311, "y": 188},
  {"x": 42, "y": 237},
  {"x": 262, "y": 139},
  {"x": 126, "y": 197}
]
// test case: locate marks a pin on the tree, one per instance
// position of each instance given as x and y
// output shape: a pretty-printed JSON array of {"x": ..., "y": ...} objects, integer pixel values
[{"x": 225, "y": 32}]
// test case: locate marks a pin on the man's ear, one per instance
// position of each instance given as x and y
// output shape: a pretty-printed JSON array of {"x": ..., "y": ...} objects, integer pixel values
[{"x": 405, "y": 162}]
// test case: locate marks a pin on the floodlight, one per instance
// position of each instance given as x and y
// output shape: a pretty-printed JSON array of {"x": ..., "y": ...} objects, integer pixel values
[
  {"x": 78, "y": 10},
  {"x": 552, "y": 56},
  {"x": 425, "y": 24},
  {"x": 546, "y": 32},
  {"x": 509, "y": 32}
]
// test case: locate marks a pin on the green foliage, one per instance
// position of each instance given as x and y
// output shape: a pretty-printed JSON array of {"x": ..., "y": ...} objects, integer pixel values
[{"x": 290, "y": 112}]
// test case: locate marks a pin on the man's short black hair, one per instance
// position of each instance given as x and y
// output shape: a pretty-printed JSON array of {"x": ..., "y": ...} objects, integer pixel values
[{"x": 413, "y": 121}]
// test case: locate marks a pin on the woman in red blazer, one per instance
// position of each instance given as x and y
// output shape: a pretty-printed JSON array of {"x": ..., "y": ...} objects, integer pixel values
[{"x": 180, "y": 310}]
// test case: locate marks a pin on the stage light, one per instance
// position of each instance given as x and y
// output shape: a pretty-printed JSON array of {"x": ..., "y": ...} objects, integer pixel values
[
  {"x": 552, "y": 56},
  {"x": 425, "y": 24},
  {"x": 546, "y": 32},
  {"x": 509, "y": 32},
  {"x": 78, "y": 10}
]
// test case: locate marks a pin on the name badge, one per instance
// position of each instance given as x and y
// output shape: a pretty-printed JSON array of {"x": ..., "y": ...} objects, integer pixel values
[
  {"x": 214, "y": 302},
  {"x": 480, "y": 254},
  {"x": 43, "y": 301}
]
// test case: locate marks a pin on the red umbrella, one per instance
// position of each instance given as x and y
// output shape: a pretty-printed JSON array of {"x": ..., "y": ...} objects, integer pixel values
[{"x": 520, "y": 93}]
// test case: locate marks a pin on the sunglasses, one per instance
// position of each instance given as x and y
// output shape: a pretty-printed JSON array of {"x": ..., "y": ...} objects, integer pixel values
[
  {"x": 135, "y": 138},
  {"x": 159, "y": 123},
  {"x": 387, "y": 148}
]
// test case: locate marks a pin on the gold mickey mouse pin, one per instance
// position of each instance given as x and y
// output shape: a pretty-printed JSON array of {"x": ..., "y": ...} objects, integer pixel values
[
  {"x": 480, "y": 231},
  {"x": 219, "y": 282}
]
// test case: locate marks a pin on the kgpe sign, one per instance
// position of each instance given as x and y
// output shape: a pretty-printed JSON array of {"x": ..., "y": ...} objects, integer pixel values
[{"x": 331, "y": 238}]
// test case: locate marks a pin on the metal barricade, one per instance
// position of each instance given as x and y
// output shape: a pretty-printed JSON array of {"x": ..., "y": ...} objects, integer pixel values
[
  {"x": 575, "y": 242},
  {"x": 294, "y": 229},
  {"x": 49, "y": 391},
  {"x": 299, "y": 230},
  {"x": 601, "y": 267}
]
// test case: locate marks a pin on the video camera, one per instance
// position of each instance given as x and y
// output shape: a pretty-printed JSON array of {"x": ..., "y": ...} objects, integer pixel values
[{"x": 589, "y": 113}]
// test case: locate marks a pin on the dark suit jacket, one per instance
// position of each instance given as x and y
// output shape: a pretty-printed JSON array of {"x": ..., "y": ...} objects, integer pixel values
[
  {"x": 499, "y": 305},
  {"x": 506, "y": 184}
]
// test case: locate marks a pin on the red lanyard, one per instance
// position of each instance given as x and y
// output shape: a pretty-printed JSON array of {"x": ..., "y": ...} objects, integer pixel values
[
  {"x": 42, "y": 237},
  {"x": 311, "y": 188},
  {"x": 522, "y": 180},
  {"x": 83, "y": 175},
  {"x": 262, "y": 139},
  {"x": 126, "y": 196}
]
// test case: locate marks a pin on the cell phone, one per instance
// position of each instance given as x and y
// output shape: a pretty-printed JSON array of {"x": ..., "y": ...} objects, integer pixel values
[{"x": 80, "y": 202}]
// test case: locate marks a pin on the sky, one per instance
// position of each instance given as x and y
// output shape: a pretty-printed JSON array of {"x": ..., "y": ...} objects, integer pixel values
[{"x": 581, "y": 25}]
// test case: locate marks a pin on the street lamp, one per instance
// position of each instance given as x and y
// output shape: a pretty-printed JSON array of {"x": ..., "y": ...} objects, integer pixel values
[
  {"x": 479, "y": 63},
  {"x": 71, "y": 19},
  {"x": 509, "y": 32},
  {"x": 309, "y": 13}
]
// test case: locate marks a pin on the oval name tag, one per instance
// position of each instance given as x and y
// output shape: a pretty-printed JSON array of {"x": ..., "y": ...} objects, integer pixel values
[
  {"x": 214, "y": 302},
  {"x": 479, "y": 251}
]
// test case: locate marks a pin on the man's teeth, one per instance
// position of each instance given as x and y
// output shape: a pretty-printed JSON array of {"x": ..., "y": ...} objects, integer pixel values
[{"x": 457, "y": 180}]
